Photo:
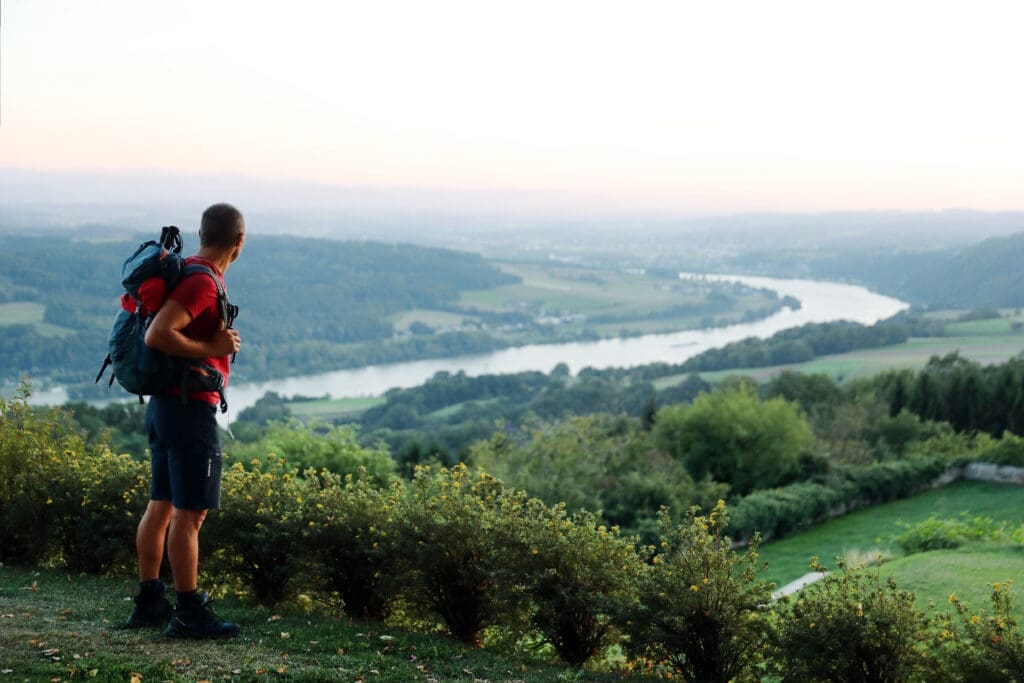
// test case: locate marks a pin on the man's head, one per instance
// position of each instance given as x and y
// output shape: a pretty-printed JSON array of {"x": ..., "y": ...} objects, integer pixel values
[{"x": 223, "y": 228}]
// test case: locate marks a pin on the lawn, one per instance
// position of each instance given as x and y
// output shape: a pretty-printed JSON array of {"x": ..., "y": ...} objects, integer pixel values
[
  {"x": 870, "y": 530},
  {"x": 56, "y": 626},
  {"x": 967, "y": 572}
]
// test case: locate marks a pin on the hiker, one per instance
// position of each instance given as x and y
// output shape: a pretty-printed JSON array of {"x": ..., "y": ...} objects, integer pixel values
[{"x": 184, "y": 444}]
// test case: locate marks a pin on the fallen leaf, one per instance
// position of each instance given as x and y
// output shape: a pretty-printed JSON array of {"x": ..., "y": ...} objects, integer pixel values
[
  {"x": 280, "y": 670},
  {"x": 92, "y": 673},
  {"x": 274, "y": 617},
  {"x": 236, "y": 671},
  {"x": 7, "y": 616},
  {"x": 67, "y": 611},
  {"x": 135, "y": 678},
  {"x": 33, "y": 587},
  {"x": 6, "y": 671},
  {"x": 285, "y": 635},
  {"x": 387, "y": 638}
]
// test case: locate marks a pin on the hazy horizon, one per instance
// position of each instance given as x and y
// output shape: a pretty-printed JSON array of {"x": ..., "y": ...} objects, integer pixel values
[{"x": 667, "y": 108}]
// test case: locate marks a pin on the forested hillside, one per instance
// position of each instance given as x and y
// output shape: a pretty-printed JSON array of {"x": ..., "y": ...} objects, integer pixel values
[
  {"x": 983, "y": 274},
  {"x": 300, "y": 299}
]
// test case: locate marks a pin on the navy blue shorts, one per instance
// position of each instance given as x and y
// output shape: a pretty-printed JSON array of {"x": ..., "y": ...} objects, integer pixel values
[{"x": 185, "y": 455}]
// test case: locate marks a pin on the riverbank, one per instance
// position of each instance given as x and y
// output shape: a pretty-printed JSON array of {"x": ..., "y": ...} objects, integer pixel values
[{"x": 819, "y": 302}]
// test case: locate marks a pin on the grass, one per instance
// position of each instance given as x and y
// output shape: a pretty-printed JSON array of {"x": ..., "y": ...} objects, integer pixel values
[
  {"x": 873, "y": 528},
  {"x": 333, "y": 408},
  {"x": 967, "y": 572},
  {"x": 56, "y": 626}
]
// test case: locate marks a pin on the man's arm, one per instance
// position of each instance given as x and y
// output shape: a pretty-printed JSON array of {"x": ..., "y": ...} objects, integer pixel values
[{"x": 165, "y": 334}]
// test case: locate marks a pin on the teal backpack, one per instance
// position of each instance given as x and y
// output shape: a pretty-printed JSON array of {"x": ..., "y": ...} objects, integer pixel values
[{"x": 145, "y": 371}]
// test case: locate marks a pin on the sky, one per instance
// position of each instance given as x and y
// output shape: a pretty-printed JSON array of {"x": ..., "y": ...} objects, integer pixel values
[{"x": 690, "y": 106}]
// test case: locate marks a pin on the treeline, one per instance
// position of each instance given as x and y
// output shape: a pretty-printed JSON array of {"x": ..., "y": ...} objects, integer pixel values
[
  {"x": 969, "y": 396},
  {"x": 804, "y": 343}
]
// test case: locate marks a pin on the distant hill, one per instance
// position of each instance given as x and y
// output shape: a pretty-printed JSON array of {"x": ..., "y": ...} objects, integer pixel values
[
  {"x": 985, "y": 274},
  {"x": 303, "y": 302}
]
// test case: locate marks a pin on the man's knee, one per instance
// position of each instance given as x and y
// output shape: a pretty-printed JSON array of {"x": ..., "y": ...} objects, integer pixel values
[{"x": 188, "y": 519}]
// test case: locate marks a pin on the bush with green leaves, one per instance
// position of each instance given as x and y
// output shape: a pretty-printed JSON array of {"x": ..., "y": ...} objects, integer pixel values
[
  {"x": 938, "y": 534},
  {"x": 352, "y": 541},
  {"x": 979, "y": 645},
  {"x": 452, "y": 561},
  {"x": 33, "y": 445},
  {"x": 701, "y": 608},
  {"x": 578, "y": 575},
  {"x": 596, "y": 462},
  {"x": 852, "y": 626},
  {"x": 258, "y": 535},
  {"x": 98, "y": 500},
  {"x": 319, "y": 446}
]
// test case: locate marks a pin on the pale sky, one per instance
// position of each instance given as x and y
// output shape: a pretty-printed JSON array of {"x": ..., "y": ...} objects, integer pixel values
[{"x": 697, "y": 106}]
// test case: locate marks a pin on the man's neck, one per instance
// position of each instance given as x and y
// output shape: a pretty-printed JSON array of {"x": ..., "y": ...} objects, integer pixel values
[{"x": 218, "y": 257}]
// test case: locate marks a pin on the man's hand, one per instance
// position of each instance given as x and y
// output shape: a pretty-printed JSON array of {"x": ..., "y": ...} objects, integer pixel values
[{"x": 225, "y": 342}]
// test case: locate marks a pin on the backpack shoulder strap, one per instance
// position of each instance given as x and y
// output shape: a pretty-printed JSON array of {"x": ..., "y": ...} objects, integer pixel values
[{"x": 222, "y": 296}]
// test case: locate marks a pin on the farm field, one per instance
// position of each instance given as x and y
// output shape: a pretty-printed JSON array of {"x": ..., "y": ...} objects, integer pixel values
[
  {"x": 863, "y": 534},
  {"x": 640, "y": 302},
  {"x": 330, "y": 408},
  {"x": 30, "y": 313}
]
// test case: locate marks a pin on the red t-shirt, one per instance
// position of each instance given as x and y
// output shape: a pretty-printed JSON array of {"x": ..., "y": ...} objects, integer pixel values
[{"x": 198, "y": 295}]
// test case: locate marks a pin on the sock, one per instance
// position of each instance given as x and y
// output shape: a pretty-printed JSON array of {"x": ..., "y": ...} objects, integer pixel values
[
  {"x": 189, "y": 599},
  {"x": 151, "y": 590}
]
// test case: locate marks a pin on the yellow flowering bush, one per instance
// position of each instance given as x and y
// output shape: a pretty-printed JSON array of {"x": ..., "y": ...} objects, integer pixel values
[
  {"x": 259, "y": 531},
  {"x": 452, "y": 561},
  {"x": 352, "y": 541},
  {"x": 98, "y": 499},
  {"x": 578, "y": 575},
  {"x": 33, "y": 444},
  {"x": 981, "y": 645},
  {"x": 700, "y": 608},
  {"x": 852, "y": 626}
]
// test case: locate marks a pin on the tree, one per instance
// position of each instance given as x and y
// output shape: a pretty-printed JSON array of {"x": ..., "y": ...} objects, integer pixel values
[{"x": 734, "y": 437}]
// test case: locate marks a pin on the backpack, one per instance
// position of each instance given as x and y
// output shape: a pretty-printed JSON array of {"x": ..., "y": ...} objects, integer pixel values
[{"x": 155, "y": 268}]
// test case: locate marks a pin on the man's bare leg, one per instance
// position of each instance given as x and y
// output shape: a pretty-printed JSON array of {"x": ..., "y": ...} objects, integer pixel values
[
  {"x": 183, "y": 547},
  {"x": 149, "y": 539}
]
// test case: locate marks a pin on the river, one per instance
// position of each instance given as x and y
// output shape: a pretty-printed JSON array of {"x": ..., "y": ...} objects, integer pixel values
[{"x": 820, "y": 302}]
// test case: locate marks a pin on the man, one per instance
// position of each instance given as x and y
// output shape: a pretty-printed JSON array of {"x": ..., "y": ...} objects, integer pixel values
[{"x": 184, "y": 443}]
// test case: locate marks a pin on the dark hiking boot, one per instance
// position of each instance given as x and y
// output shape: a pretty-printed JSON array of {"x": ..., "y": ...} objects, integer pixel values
[
  {"x": 198, "y": 621},
  {"x": 151, "y": 609}
]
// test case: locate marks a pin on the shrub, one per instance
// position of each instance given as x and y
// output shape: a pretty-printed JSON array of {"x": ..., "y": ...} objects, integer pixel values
[
  {"x": 980, "y": 646},
  {"x": 938, "y": 534},
  {"x": 700, "y": 604},
  {"x": 99, "y": 498},
  {"x": 320, "y": 446},
  {"x": 260, "y": 530},
  {"x": 353, "y": 543},
  {"x": 776, "y": 512},
  {"x": 1009, "y": 450},
  {"x": 452, "y": 562},
  {"x": 851, "y": 626},
  {"x": 577, "y": 573},
  {"x": 33, "y": 447}
]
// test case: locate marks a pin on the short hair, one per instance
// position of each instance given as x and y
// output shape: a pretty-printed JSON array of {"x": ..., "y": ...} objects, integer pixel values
[{"x": 221, "y": 226}]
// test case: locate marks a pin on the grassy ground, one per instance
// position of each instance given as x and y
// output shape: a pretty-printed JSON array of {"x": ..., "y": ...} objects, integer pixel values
[
  {"x": 55, "y": 627},
  {"x": 933, "y": 576},
  {"x": 867, "y": 532}
]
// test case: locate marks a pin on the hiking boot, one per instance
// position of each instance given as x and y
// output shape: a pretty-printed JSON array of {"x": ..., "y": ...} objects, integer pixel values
[
  {"x": 198, "y": 621},
  {"x": 149, "y": 610}
]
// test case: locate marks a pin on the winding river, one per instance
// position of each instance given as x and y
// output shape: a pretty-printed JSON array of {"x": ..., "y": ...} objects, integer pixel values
[{"x": 820, "y": 302}]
